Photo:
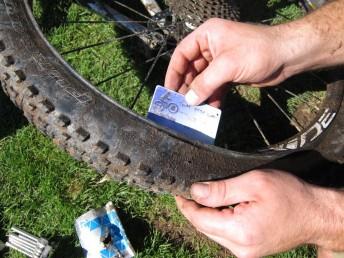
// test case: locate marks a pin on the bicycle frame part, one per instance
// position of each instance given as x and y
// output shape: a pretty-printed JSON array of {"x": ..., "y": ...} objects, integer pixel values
[
  {"x": 151, "y": 39},
  {"x": 152, "y": 7}
]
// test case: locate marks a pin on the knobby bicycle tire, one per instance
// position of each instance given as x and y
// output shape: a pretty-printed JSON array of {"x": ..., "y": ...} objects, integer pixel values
[{"x": 114, "y": 140}]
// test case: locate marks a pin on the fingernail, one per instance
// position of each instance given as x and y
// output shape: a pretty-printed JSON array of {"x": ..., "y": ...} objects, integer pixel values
[
  {"x": 200, "y": 190},
  {"x": 192, "y": 98}
]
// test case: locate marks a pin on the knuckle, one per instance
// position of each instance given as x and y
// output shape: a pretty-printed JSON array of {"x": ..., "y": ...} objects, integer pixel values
[{"x": 218, "y": 191}]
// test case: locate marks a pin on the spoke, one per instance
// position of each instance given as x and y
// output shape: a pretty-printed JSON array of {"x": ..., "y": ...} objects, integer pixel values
[
  {"x": 318, "y": 77},
  {"x": 109, "y": 41},
  {"x": 291, "y": 120},
  {"x": 298, "y": 97},
  {"x": 267, "y": 20},
  {"x": 105, "y": 42},
  {"x": 129, "y": 69},
  {"x": 148, "y": 74},
  {"x": 161, "y": 55},
  {"x": 313, "y": 95},
  {"x": 132, "y": 10},
  {"x": 283, "y": 16},
  {"x": 114, "y": 76},
  {"x": 273, "y": 18},
  {"x": 260, "y": 130},
  {"x": 255, "y": 122}
]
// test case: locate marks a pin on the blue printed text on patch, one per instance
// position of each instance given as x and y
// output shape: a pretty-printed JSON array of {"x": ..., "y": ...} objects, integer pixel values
[{"x": 169, "y": 109}]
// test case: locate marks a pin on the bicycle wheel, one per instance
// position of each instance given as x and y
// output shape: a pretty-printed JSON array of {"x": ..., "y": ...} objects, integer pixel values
[{"x": 115, "y": 140}]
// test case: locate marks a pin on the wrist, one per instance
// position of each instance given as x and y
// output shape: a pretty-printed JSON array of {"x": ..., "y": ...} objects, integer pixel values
[
  {"x": 328, "y": 219},
  {"x": 300, "y": 46},
  {"x": 314, "y": 41}
]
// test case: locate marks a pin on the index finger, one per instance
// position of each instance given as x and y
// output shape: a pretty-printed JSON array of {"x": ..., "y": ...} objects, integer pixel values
[
  {"x": 207, "y": 220},
  {"x": 186, "y": 52}
]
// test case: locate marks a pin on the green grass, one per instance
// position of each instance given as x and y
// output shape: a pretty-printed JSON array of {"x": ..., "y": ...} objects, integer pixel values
[
  {"x": 97, "y": 64},
  {"x": 44, "y": 190}
]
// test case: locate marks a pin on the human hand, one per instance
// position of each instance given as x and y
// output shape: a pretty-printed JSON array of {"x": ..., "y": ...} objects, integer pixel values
[
  {"x": 222, "y": 51},
  {"x": 274, "y": 212}
]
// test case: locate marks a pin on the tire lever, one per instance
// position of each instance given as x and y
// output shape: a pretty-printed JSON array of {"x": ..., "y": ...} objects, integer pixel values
[{"x": 28, "y": 244}]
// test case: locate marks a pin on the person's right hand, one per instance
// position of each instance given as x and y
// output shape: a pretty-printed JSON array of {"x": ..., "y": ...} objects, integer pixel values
[
  {"x": 222, "y": 51},
  {"x": 266, "y": 211}
]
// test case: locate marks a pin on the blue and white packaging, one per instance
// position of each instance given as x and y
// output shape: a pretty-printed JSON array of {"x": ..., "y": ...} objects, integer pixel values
[
  {"x": 101, "y": 234},
  {"x": 169, "y": 109}
]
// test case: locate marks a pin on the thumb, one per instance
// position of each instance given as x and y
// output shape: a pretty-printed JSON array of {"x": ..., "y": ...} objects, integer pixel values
[
  {"x": 222, "y": 193},
  {"x": 207, "y": 82}
]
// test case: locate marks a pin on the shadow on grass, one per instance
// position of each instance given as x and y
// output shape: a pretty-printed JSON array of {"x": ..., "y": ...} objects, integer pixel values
[
  {"x": 65, "y": 247},
  {"x": 137, "y": 230},
  {"x": 58, "y": 8},
  {"x": 11, "y": 117},
  {"x": 238, "y": 131},
  {"x": 3, "y": 232},
  {"x": 258, "y": 10}
]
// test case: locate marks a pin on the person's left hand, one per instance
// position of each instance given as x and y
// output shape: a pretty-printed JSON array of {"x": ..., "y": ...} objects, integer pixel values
[{"x": 272, "y": 212}]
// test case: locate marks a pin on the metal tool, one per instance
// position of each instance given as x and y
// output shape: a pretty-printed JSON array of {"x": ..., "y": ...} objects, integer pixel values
[{"x": 28, "y": 244}]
